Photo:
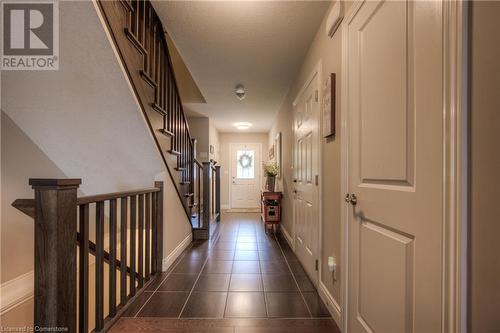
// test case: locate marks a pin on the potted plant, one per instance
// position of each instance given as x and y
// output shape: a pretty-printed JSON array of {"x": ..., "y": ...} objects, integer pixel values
[{"x": 271, "y": 169}]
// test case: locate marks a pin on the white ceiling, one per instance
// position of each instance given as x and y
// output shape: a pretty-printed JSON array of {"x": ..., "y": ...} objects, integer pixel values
[{"x": 260, "y": 44}]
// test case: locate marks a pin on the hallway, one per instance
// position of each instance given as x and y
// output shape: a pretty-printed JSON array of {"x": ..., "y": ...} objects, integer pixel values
[{"x": 241, "y": 274}]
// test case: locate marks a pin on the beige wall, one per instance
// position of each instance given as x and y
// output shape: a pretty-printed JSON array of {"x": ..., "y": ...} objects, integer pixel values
[
  {"x": 213, "y": 140},
  {"x": 225, "y": 139},
  {"x": 485, "y": 167},
  {"x": 206, "y": 134},
  {"x": 176, "y": 226},
  {"x": 198, "y": 126},
  {"x": 21, "y": 160},
  {"x": 328, "y": 51}
]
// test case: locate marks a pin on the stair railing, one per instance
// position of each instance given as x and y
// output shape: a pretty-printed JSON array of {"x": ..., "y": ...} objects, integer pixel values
[
  {"x": 63, "y": 221},
  {"x": 139, "y": 37}
]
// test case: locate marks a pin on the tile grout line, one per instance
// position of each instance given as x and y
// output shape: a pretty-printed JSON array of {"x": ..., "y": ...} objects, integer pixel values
[
  {"x": 293, "y": 276},
  {"x": 262, "y": 279},
  {"x": 198, "y": 277},
  {"x": 231, "y": 274},
  {"x": 166, "y": 277}
]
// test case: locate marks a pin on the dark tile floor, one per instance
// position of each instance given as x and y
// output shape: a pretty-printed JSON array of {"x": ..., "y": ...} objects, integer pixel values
[{"x": 242, "y": 273}]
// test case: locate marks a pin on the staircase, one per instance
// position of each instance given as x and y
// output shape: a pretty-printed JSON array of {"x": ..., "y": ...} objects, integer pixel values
[{"x": 139, "y": 38}]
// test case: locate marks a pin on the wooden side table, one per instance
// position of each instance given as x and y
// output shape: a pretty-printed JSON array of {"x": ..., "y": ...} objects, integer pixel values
[{"x": 271, "y": 209}]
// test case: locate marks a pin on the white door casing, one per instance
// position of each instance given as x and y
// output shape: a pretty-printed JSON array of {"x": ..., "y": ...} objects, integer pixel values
[
  {"x": 394, "y": 100},
  {"x": 306, "y": 166},
  {"x": 245, "y": 183}
]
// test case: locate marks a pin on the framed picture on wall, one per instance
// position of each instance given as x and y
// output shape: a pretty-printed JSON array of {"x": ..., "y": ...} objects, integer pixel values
[
  {"x": 277, "y": 148},
  {"x": 328, "y": 106},
  {"x": 271, "y": 152}
]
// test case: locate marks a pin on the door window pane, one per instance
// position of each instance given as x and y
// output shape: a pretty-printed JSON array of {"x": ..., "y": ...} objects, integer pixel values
[{"x": 245, "y": 164}]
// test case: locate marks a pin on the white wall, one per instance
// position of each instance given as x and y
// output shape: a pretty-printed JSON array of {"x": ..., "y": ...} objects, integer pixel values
[{"x": 225, "y": 139}]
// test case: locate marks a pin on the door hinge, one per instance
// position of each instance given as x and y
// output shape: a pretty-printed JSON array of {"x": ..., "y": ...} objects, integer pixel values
[
  {"x": 316, "y": 180},
  {"x": 316, "y": 95},
  {"x": 316, "y": 265}
]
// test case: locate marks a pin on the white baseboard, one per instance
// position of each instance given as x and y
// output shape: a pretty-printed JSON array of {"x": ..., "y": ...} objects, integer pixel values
[
  {"x": 169, "y": 260},
  {"x": 16, "y": 291},
  {"x": 332, "y": 306},
  {"x": 243, "y": 210},
  {"x": 288, "y": 238},
  {"x": 225, "y": 207}
]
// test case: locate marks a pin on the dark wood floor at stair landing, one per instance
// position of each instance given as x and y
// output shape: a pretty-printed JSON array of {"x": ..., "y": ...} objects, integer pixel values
[
  {"x": 126, "y": 325},
  {"x": 243, "y": 280}
]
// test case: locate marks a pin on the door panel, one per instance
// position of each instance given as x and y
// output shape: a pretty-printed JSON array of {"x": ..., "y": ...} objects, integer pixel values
[
  {"x": 245, "y": 175},
  {"x": 306, "y": 167},
  {"x": 395, "y": 104}
]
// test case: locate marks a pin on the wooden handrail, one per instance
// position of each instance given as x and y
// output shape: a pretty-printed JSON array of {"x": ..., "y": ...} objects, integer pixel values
[{"x": 114, "y": 195}]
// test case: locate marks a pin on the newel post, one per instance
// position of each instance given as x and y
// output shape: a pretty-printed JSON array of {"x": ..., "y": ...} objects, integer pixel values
[
  {"x": 217, "y": 191},
  {"x": 207, "y": 204},
  {"x": 55, "y": 252},
  {"x": 159, "y": 227}
]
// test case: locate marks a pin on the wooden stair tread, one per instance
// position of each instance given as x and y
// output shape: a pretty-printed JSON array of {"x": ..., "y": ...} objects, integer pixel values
[
  {"x": 174, "y": 152},
  {"x": 158, "y": 109}
]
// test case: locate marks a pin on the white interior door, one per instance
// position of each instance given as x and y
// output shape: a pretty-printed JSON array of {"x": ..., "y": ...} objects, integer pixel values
[
  {"x": 395, "y": 108},
  {"x": 245, "y": 175},
  {"x": 306, "y": 169}
]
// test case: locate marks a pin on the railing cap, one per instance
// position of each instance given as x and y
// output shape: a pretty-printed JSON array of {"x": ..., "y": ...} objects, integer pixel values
[{"x": 54, "y": 182}]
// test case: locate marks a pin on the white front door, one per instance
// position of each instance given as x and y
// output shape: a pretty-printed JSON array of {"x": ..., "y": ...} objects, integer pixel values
[
  {"x": 306, "y": 170},
  {"x": 245, "y": 175},
  {"x": 395, "y": 109}
]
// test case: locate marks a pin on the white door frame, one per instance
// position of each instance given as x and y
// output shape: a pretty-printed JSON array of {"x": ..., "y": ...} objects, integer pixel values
[
  {"x": 455, "y": 155},
  {"x": 230, "y": 183},
  {"x": 317, "y": 71}
]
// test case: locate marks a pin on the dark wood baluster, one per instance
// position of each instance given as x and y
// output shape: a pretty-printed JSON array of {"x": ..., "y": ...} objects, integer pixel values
[
  {"x": 170, "y": 102},
  {"x": 140, "y": 13},
  {"x": 152, "y": 42},
  {"x": 99, "y": 267},
  {"x": 161, "y": 88},
  {"x": 112, "y": 257},
  {"x": 148, "y": 237},
  {"x": 178, "y": 111},
  {"x": 159, "y": 226},
  {"x": 140, "y": 256},
  {"x": 183, "y": 148},
  {"x": 83, "y": 302},
  {"x": 200, "y": 176},
  {"x": 133, "y": 216},
  {"x": 133, "y": 17},
  {"x": 164, "y": 69},
  {"x": 147, "y": 18},
  {"x": 157, "y": 64},
  {"x": 123, "y": 251},
  {"x": 154, "y": 237}
]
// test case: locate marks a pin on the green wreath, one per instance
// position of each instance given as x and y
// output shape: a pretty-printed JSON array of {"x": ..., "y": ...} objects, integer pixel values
[{"x": 245, "y": 160}]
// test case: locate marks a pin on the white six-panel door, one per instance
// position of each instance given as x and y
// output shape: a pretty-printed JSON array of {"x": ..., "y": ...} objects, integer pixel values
[
  {"x": 306, "y": 169},
  {"x": 395, "y": 110}
]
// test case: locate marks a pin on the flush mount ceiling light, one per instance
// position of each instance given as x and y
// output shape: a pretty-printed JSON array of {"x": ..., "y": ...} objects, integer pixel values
[
  {"x": 242, "y": 126},
  {"x": 239, "y": 90}
]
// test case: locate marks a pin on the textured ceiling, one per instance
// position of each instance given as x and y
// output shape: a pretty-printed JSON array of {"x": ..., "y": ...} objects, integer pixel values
[{"x": 260, "y": 44}]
